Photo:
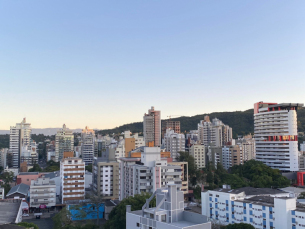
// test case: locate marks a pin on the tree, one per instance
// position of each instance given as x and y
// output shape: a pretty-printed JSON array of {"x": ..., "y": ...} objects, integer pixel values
[
  {"x": 28, "y": 225},
  {"x": 36, "y": 168},
  {"x": 239, "y": 226},
  {"x": 89, "y": 168},
  {"x": 1, "y": 169},
  {"x": 97, "y": 202},
  {"x": 117, "y": 217},
  {"x": 7, "y": 177},
  {"x": 62, "y": 220}
]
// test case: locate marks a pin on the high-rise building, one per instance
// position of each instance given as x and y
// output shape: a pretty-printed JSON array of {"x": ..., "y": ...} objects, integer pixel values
[
  {"x": 174, "y": 143},
  {"x": 232, "y": 155},
  {"x": 64, "y": 142},
  {"x": 173, "y": 125},
  {"x": 148, "y": 173},
  {"x": 152, "y": 127},
  {"x": 214, "y": 133},
  {"x": 72, "y": 175},
  {"x": 302, "y": 147},
  {"x": 198, "y": 152},
  {"x": 276, "y": 136},
  {"x": 20, "y": 136},
  {"x": 105, "y": 178},
  {"x": 87, "y": 147}
]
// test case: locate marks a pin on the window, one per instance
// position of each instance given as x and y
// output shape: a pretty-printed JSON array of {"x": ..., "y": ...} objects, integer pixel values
[{"x": 138, "y": 225}]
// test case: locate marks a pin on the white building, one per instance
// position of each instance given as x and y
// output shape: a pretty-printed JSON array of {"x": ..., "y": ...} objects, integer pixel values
[
  {"x": 168, "y": 214},
  {"x": 42, "y": 192},
  {"x": 3, "y": 157},
  {"x": 214, "y": 133},
  {"x": 2, "y": 194},
  {"x": 29, "y": 153},
  {"x": 302, "y": 147},
  {"x": 248, "y": 148},
  {"x": 275, "y": 131},
  {"x": 87, "y": 148},
  {"x": 231, "y": 155},
  {"x": 260, "y": 207},
  {"x": 147, "y": 174},
  {"x": 20, "y": 136},
  {"x": 64, "y": 142},
  {"x": 72, "y": 174},
  {"x": 198, "y": 152},
  {"x": 174, "y": 143}
]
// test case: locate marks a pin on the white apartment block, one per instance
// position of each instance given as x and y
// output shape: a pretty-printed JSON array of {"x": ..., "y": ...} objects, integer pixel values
[
  {"x": 260, "y": 207},
  {"x": 87, "y": 145},
  {"x": 20, "y": 136},
  {"x": 42, "y": 192},
  {"x": 72, "y": 174},
  {"x": 29, "y": 153},
  {"x": 174, "y": 143},
  {"x": 214, "y": 133},
  {"x": 64, "y": 142},
  {"x": 105, "y": 178},
  {"x": 147, "y": 174},
  {"x": 275, "y": 131},
  {"x": 169, "y": 213},
  {"x": 302, "y": 147},
  {"x": 198, "y": 152}
]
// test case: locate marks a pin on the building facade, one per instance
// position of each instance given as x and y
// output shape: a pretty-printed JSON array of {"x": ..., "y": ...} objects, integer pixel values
[
  {"x": 42, "y": 192},
  {"x": 152, "y": 127},
  {"x": 174, "y": 143},
  {"x": 173, "y": 125},
  {"x": 20, "y": 136},
  {"x": 260, "y": 207},
  {"x": 88, "y": 143},
  {"x": 105, "y": 178},
  {"x": 64, "y": 142},
  {"x": 198, "y": 152},
  {"x": 169, "y": 213},
  {"x": 276, "y": 137},
  {"x": 147, "y": 174},
  {"x": 72, "y": 174},
  {"x": 232, "y": 155}
]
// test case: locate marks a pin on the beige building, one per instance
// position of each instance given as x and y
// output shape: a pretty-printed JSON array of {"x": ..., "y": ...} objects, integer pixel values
[
  {"x": 152, "y": 127},
  {"x": 173, "y": 125},
  {"x": 184, "y": 175},
  {"x": 198, "y": 152},
  {"x": 42, "y": 192},
  {"x": 105, "y": 178},
  {"x": 232, "y": 155},
  {"x": 72, "y": 175}
]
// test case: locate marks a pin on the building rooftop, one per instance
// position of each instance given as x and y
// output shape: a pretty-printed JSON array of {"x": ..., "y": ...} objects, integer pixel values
[
  {"x": 8, "y": 211},
  {"x": 52, "y": 174},
  {"x": 20, "y": 188},
  {"x": 29, "y": 173},
  {"x": 287, "y": 105},
  {"x": 249, "y": 191}
]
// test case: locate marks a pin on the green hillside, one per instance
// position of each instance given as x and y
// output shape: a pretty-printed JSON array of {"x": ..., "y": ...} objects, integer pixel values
[{"x": 240, "y": 121}]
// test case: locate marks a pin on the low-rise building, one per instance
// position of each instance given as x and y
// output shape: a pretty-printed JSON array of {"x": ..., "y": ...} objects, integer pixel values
[
  {"x": 260, "y": 207},
  {"x": 105, "y": 177},
  {"x": 27, "y": 177},
  {"x": 10, "y": 213},
  {"x": 198, "y": 152},
  {"x": 42, "y": 193},
  {"x": 168, "y": 214},
  {"x": 18, "y": 191},
  {"x": 72, "y": 174}
]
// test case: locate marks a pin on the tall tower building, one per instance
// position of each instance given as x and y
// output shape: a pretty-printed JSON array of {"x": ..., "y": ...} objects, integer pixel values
[
  {"x": 88, "y": 139},
  {"x": 64, "y": 142},
  {"x": 152, "y": 127},
  {"x": 20, "y": 137},
  {"x": 276, "y": 136},
  {"x": 173, "y": 125}
]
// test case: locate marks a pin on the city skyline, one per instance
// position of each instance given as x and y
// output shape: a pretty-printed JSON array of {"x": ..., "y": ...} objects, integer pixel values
[{"x": 103, "y": 64}]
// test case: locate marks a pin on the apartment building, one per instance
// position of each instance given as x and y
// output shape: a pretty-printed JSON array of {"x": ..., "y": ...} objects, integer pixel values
[
  {"x": 170, "y": 124},
  {"x": 174, "y": 143},
  {"x": 260, "y": 207},
  {"x": 276, "y": 136},
  {"x": 152, "y": 127},
  {"x": 214, "y": 133},
  {"x": 198, "y": 152},
  {"x": 72, "y": 174},
  {"x": 29, "y": 153},
  {"x": 87, "y": 145},
  {"x": 3, "y": 157},
  {"x": 248, "y": 148},
  {"x": 215, "y": 155},
  {"x": 184, "y": 174},
  {"x": 20, "y": 136},
  {"x": 42, "y": 193},
  {"x": 168, "y": 214},
  {"x": 232, "y": 155},
  {"x": 105, "y": 178},
  {"x": 64, "y": 141},
  {"x": 302, "y": 147},
  {"x": 148, "y": 173}
]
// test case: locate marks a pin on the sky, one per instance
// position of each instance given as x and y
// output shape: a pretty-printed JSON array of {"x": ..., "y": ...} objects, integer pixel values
[{"x": 105, "y": 63}]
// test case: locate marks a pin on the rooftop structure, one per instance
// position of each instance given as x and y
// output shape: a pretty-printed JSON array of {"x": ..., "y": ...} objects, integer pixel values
[
  {"x": 10, "y": 212},
  {"x": 20, "y": 190},
  {"x": 168, "y": 213}
]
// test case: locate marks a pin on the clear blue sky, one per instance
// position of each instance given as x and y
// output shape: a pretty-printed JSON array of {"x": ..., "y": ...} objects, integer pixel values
[{"x": 104, "y": 63}]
